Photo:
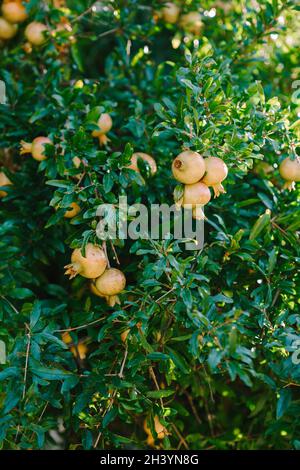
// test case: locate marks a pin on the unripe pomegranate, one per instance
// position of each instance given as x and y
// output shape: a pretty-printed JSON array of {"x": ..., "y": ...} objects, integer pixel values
[
  {"x": 147, "y": 158},
  {"x": 36, "y": 147},
  {"x": 7, "y": 30},
  {"x": 188, "y": 167},
  {"x": 192, "y": 22},
  {"x": 160, "y": 430},
  {"x": 73, "y": 211},
  {"x": 196, "y": 194},
  {"x": 80, "y": 350},
  {"x": 34, "y": 33},
  {"x": 215, "y": 172},
  {"x": 263, "y": 168},
  {"x": 59, "y": 3},
  {"x": 14, "y": 12},
  {"x": 170, "y": 12},
  {"x": 66, "y": 337},
  {"x": 290, "y": 172},
  {"x": 104, "y": 124},
  {"x": 124, "y": 335},
  {"x": 111, "y": 282},
  {"x": 4, "y": 181},
  {"x": 76, "y": 161},
  {"x": 91, "y": 265},
  {"x": 111, "y": 300}
]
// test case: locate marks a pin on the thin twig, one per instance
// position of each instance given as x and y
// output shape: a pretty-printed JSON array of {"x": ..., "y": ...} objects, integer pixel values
[
  {"x": 9, "y": 303},
  {"x": 192, "y": 405},
  {"x": 106, "y": 33},
  {"x": 123, "y": 364},
  {"x": 86, "y": 12},
  {"x": 115, "y": 253},
  {"x": 105, "y": 252},
  {"x": 26, "y": 361},
  {"x": 152, "y": 373},
  {"x": 120, "y": 374},
  {"x": 80, "y": 327},
  {"x": 182, "y": 440}
]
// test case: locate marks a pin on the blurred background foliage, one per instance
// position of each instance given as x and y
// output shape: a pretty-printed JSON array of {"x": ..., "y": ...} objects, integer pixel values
[{"x": 212, "y": 345}]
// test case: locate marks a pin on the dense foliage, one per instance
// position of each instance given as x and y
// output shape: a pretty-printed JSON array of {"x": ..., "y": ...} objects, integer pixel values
[{"x": 213, "y": 334}]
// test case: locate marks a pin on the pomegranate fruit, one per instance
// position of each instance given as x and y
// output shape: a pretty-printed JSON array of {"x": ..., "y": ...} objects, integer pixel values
[
  {"x": 111, "y": 283},
  {"x": 91, "y": 265},
  {"x": 170, "y": 12},
  {"x": 188, "y": 167},
  {"x": 34, "y": 33},
  {"x": 73, "y": 211},
  {"x": 7, "y": 30},
  {"x": 191, "y": 22},
  {"x": 104, "y": 123},
  {"x": 36, "y": 147},
  {"x": 195, "y": 194},
  {"x": 160, "y": 430},
  {"x": 14, "y": 12},
  {"x": 76, "y": 161},
  {"x": 290, "y": 172},
  {"x": 78, "y": 350},
  {"x": 215, "y": 172},
  {"x": 4, "y": 181},
  {"x": 124, "y": 335},
  {"x": 95, "y": 291},
  {"x": 147, "y": 158},
  {"x": 198, "y": 213},
  {"x": 263, "y": 169}
]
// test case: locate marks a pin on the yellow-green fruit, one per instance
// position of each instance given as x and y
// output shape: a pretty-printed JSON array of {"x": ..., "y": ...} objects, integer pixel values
[
  {"x": 112, "y": 282},
  {"x": 34, "y": 33},
  {"x": 14, "y": 12},
  {"x": 36, "y": 147},
  {"x": 188, "y": 167},
  {"x": 91, "y": 265},
  {"x": 170, "y": 12},
  {"x": 104, "y": 125},
  {"x": 4, "y": 181},
  {"x": 7, "y": 30},
  {"x": 147, "y": 158}
]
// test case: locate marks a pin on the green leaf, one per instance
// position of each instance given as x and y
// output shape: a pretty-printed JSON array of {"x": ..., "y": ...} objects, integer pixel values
[
  {"x": 283, "y": 402},
  {"x": 160, "y": 393},
  {"x": 262, "y": 222}
]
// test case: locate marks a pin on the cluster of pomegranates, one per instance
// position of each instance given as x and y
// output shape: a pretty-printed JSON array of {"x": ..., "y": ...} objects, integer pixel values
[
  {"x": 190, "y": 22},
  {"x": 105, "y": 282},
  {"x": 198, "y": 174},
  {"x": 13, "y": 13}
]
